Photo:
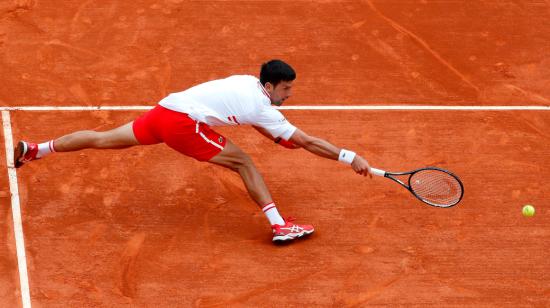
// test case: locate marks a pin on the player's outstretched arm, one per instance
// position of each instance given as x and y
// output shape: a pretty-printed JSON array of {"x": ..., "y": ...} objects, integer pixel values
[
  {"x": 325, "y": 149},
  {"x": 280, "y": 141}
]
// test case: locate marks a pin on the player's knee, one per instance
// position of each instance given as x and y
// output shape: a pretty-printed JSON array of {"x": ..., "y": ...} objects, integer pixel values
[
  {"x": 88, "y": 138},
  {"x": 243, "y": 161},
  {"x": 101, "y": 140},
  {"x": 233, "y": 158}
]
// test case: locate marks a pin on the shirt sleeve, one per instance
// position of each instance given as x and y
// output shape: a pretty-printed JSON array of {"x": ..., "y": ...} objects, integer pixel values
[{"x": 275, "y": 123}]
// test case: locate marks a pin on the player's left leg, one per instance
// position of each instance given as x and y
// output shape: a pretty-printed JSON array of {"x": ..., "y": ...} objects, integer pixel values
[
  {"x": 118, "y": 138},
  {"x": 142, "y": 130}
]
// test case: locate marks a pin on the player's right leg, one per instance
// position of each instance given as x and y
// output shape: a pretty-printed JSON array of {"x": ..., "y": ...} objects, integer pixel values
[
  {"x": 234, "y": 158},
  {"x": 198, "y": 140}
]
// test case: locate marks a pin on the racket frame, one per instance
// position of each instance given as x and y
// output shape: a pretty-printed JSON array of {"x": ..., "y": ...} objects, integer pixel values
[{"x": 389, "y": 175}]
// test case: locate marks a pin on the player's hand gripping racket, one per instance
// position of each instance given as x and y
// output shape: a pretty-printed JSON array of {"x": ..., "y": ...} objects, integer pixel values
[{"x": 434, "y": 186}]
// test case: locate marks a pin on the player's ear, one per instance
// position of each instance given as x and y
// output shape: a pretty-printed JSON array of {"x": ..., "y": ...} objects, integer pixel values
[{"x": 269, "y": 86}]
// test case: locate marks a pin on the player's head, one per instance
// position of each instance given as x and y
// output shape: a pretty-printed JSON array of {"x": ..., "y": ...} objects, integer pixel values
[{"x": 277, "y": 76}]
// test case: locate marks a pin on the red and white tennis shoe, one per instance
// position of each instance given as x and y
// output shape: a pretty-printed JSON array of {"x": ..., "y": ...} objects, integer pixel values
[
  {"x": 24, "y": 152},
  {"x": 290, "y": 231}
]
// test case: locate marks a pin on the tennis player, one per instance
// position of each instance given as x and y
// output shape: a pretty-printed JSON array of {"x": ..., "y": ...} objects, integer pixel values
[{"x": 183, "y": 121}]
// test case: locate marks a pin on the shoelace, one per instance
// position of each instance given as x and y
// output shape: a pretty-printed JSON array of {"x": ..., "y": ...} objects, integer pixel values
[{"x": 277, "y": 228}]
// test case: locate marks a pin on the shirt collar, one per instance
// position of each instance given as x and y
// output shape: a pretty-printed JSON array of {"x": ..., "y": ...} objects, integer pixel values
[{"x": 264, "y": 90}]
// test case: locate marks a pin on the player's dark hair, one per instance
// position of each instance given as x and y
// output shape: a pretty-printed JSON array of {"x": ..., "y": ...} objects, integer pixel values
[{"x": 275, "y": 71}]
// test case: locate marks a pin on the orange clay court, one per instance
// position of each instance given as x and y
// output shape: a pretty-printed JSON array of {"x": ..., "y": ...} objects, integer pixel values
[{"x": 148, "y": 227}]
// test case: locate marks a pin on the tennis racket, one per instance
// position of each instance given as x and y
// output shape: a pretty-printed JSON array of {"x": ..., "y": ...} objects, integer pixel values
[{"x": 434, "y": 186}]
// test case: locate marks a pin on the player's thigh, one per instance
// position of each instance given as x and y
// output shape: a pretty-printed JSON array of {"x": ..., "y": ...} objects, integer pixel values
[
  {"x": 122, "y": 136},
  {"x": 231, "y": 156}
]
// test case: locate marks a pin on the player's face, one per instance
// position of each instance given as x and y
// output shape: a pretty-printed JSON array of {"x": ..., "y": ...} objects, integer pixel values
[{"x": 280, "y": 92}]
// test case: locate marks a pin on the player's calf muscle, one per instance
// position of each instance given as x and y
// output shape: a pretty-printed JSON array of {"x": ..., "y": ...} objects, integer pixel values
[{"x": 76, "y": 141}]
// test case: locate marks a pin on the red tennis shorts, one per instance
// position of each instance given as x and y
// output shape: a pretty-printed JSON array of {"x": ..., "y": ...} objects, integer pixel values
[{"x": 179, "y": 132}]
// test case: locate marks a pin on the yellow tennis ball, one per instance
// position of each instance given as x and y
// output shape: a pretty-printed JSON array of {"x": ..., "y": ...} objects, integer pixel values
[{"x": 528, "y": 210}]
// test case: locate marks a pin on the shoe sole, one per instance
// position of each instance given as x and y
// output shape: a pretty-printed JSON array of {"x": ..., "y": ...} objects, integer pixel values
[
  {"x": 286, "y": 238},
  {"x": 19, "y": 152}
]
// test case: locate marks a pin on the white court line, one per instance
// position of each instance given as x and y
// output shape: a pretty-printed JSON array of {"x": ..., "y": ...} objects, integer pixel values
[
  {"x": 300, "y": 107},
  {"x": 75, "y": 108},
  {"x": 417, "y": 107},
  {"x": 16, "y": 212}
]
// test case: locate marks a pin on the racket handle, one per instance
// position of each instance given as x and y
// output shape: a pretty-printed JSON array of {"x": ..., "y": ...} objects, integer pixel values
[{"x": 377, "y": 172}]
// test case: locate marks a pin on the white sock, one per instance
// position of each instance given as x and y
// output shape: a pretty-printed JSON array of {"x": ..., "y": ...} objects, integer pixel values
[
  {"x": 273, "y": 215},
  {"x": 45, "y": 149}
]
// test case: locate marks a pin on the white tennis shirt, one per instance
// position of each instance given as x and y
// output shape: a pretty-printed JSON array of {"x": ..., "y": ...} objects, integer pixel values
[{"x": 236, "y": 100}]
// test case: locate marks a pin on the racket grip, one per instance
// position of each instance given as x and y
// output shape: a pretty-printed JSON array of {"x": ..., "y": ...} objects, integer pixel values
[{"x": 377, "y": 172}]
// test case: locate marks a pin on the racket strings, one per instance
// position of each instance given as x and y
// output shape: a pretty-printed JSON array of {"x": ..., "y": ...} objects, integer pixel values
[{"x": 436, "y": 187}]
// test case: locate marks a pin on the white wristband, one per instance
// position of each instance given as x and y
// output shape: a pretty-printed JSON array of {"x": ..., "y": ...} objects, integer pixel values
[{"x": 346, "y": 156}]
